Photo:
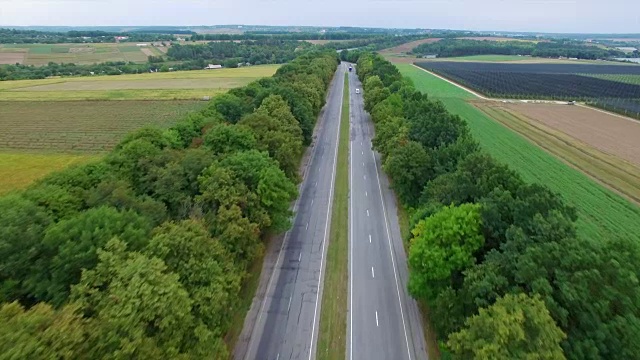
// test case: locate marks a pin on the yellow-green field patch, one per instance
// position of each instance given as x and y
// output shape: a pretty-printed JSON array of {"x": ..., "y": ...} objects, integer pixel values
[
  {"x": 18, "y": 170},
  {"x": 179, "y": 85}
]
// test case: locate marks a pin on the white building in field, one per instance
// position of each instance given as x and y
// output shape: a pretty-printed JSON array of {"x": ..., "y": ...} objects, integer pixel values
[{"x": 211, "y": 66}]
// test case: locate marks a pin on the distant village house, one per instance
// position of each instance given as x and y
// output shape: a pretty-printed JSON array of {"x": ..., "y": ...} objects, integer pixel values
[{"x": 211, "y": 66}]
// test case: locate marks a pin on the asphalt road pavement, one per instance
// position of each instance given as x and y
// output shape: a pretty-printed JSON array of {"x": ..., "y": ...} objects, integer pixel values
[
  {"x": 384, "y": 321},
  {"x": 288, "y": 319}
]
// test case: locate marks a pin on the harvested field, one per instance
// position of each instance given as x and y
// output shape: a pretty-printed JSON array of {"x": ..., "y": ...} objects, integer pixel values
[
  {"x": 148, "y": 51},
  {"x": 82, "y": 126},
  {"x": 608, "y": 133},
  {"x": 576, "y": 145},
  {"x": 42, "y": 54},
  {"x": 12, "y": 58},
  {"x": 404, "y": 48}
]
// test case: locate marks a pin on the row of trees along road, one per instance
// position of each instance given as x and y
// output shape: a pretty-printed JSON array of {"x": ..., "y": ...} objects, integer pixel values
[
  {"x": 496, "y": 259},
  {"x": 143, "y": 255}
]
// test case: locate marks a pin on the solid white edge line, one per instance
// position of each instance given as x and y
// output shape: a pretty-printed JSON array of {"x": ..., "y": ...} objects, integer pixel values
[
  {"x": 393, "y": 261},
  {"x": 326, "y": 227}
]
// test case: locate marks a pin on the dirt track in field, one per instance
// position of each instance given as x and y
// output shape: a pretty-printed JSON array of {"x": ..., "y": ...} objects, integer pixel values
[{"x": 608, "y": 133}]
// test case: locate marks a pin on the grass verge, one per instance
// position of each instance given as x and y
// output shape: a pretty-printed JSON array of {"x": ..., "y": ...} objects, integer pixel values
[
  {"x": 333, "y": 318},
  {"x": 247, "y": 294}
]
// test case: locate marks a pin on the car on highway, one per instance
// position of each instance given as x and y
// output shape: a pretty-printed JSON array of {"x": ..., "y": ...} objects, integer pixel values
[{"x": 357, "y": 91}]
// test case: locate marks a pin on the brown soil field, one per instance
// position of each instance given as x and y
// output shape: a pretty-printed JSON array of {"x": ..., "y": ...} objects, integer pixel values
[
  {"x": 148, "y": 51},
  {"x": 82, "y": 126},
  {"x": 608, "y": 133},
  {"x": 12, "y": 58},
  {"x": 406, "y": 47}
]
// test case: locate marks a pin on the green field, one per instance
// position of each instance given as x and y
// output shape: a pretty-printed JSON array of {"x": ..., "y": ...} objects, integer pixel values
[
  {"x": 179, "y": 85},
  {"x": 18, "y": 170},
  {"x": 42, "y": 54},
  {"x": 629, "y": 79},
  {"x": 603, "y": 214}
]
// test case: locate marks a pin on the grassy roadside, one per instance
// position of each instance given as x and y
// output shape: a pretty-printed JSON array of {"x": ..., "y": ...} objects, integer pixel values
[
  {"x": 333, "y": 318},
  {"x": 247, "y": 294}
]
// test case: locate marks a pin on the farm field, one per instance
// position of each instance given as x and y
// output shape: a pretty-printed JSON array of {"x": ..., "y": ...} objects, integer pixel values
[
  {"x": 406, "y": 47},
  {"x": 598, "y": 144},
  {"x": 42, "y": 54},
  {"x": 629, "y": 79},
  {"x": 82, "y": 126},
  {"x": 603, "y": 213},
  {"x": 549, "y": 82},
  {"x": 180, "y": 85},
  {"x": 18, "y": 170}
]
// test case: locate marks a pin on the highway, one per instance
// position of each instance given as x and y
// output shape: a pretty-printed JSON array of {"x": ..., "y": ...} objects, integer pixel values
[
  {"x": 288, "y": 320},
  {"x": 384, "y": 321}
]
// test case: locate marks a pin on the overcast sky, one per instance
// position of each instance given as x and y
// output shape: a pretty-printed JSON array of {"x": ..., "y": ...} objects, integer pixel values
[{"x": 603, "y": 16}]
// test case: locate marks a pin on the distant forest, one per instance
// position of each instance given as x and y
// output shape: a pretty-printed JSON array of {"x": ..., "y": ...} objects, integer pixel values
[
  {"x": 13, "y": 36},
  {"x": 561, "y": 48}
]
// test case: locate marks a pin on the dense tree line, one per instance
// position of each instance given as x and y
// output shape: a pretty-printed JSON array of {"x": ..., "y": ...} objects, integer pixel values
[
  {"x": 266, "y": 51},
  {"x": 142, "y": 255},
  {"x": 155, "y": 63},
  {"x": 387, "y": 41},
  {"x": 259, "y": 35},
  {"x": 15, "y": 36},
  {"x": 556, "y": 48},
  {"x": 496, "y": 259}
]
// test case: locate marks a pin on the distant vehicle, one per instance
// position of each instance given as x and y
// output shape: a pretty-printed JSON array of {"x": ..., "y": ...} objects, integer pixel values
[
  {"x": 350, "y": 68},
  {"x": 571, "y": 103},
  {"x": 357, "y": 91}
]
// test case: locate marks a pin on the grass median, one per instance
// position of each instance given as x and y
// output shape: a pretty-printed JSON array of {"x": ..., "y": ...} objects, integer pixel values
[{"x": 333, "y": 318}]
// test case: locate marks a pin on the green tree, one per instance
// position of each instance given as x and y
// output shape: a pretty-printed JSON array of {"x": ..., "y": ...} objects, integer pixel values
[
  {"x": 225, "y": 139},
  {"x": 205, "y": 269},
  {"x": 139, "y": 309},
  {"x": 409, "y": 167},
  {"x": 41, "y": 333},
  {"x": 515, "y": 327},
  {"x": 22, "y": 226},
  {"x": 230, "y": 107},
  {"x": 442, "y": 245},
  {"x": 71, "y": 245}
]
